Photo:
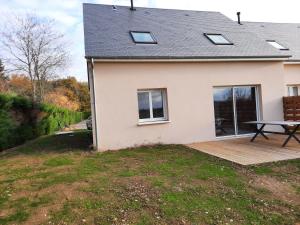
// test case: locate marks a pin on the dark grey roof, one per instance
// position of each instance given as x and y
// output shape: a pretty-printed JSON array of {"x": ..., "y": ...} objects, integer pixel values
[
  {"x": 179, "y": 33},
  {"x": 286, "y": 34}
]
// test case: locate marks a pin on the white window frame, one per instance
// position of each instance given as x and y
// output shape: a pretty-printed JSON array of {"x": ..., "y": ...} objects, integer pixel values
[
  {"x": 277, "y": 45},
  {"x": 165, "y": 110},
  {"x": 293, "y": 86}
]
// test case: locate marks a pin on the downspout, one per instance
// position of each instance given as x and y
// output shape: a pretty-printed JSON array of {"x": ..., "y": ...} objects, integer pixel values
[{"x": 90, "y": 71}]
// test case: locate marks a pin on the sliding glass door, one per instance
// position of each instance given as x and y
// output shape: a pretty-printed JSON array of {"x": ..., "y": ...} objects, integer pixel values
[
  {"x": 234, "y": 106},
  {"x": 246, "y": 108},
  {"x": 224, "y": 111}
]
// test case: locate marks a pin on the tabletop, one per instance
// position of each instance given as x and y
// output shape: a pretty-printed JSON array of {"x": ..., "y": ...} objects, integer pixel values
[{"x": 268, "y": 122}]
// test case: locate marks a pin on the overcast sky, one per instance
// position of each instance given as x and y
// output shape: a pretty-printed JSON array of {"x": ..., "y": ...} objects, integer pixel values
[{"x": 68, "y": 14}]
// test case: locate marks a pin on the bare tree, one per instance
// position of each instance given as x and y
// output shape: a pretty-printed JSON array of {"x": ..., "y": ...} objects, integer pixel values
[
  {"x": 36, "y": 48},
  {"x": 1, "y": 68},
  {"x": 3, "y": 78}
]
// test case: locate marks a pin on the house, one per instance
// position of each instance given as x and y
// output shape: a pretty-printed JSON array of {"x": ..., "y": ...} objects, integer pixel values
[
  {"x": 177, "y": 77},
  {"x": 284, "y": 37}
]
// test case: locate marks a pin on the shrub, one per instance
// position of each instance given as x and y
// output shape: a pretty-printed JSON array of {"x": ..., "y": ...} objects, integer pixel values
[
  {"x": 86, "y": 115},
  {"x": 5, "y": 101},
  {"x": 57, "y": 118},
  {"x": 14, "y": 132},
  {"x": 21, "y": 103},
  {"x": 24, "y": 132},
  {"x": 7, "y": 128}
]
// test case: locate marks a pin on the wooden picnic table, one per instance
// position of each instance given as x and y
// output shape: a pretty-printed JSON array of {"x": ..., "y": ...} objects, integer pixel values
[{"x": 286, "y": 125}]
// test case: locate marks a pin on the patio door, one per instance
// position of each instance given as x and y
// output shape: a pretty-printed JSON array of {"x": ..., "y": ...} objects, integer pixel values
[{"x": 234, "y": 106}]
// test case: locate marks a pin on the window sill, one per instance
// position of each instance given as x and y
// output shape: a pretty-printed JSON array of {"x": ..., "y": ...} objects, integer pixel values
[{"x": 153, "y": 122}]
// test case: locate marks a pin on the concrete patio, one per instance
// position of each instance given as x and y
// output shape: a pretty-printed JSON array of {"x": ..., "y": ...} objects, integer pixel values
[{"x": 244, "y": 152}]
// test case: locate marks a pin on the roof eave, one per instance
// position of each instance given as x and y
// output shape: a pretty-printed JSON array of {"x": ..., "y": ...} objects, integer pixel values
[
  {"x": 191, "y": 58},
  {"x": 292, "y": 61}
]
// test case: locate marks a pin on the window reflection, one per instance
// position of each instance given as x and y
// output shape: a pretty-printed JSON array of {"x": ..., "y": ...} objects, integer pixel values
[
  {"x": 245, "y": 100},
  {"x": 224, "y": 117},
  {"x": 157, "y": 104},
  {"x": 144, "y": 105}
]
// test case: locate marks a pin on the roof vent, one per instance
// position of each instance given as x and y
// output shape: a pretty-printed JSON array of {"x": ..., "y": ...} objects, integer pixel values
[
  {"x": 114, "y": 7},
  {"x": 239, "y": 17},
  {"x": 131, "y": 5}
]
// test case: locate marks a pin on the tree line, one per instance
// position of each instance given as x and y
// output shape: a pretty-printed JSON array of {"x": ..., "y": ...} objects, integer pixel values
[{"x": 64, "y": 92}]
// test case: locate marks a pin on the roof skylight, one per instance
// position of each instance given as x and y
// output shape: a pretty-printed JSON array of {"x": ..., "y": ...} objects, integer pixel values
[
  {"x": 142, "y": 37},
  {"x": 218, "y": 39},
  {"x": 277, "y": 45}
]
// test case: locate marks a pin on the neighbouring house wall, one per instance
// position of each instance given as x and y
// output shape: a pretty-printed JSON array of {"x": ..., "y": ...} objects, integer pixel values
[
  {"x": 189, "y": 93},
  {"x": 291, "y": 75}
]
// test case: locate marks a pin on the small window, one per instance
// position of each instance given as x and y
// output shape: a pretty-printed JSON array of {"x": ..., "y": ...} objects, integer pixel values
[
  {"x": 293, "y": 91},
  {"x": 140, "y": 37},
  {"x": 152, "y": 105},
  {"x": 277, "y": 45},
  {"x": 218, "y": 39}
]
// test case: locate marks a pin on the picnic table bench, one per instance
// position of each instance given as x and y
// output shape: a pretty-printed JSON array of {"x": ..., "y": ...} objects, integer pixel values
[{"x": 286, "y": 125}]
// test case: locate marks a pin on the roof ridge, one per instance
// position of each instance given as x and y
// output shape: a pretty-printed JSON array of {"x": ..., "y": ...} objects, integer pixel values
[
  {"x": 156, "y": 8},
  {"x": 258, "y": 22}
]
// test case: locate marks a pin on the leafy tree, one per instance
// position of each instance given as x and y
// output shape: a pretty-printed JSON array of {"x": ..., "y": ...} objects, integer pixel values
[
  {"x": 65, "y": 93},
  {"x": 84, "y": 97},
  {"x": 69, "y": 83},
  {"x": 59, "y": 99},
  {"x": 20, "y": 85},
  {"x": 75, "y": 91}
]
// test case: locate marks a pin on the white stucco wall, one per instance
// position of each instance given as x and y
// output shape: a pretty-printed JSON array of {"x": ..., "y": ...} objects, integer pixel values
[
  {"x": 291, "y": 75},
  {"x": 190, "y": 98}
]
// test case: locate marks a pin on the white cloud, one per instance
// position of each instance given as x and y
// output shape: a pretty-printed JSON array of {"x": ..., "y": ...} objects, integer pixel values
[{"x": 61, "y": 17}]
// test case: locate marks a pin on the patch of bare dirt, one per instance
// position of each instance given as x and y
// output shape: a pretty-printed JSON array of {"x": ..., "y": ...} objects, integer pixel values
[
  {"x": 2, "y": 177},
  {"x": 22, "y": 160},
  {"x": 291, "y": 170},
  {"x": 286, "y": 169},
  {"x": 67, "y": 192},
  {"x": 137, "y": 191},
  {"x": 62, "y": 193},
  {"x": 41, "y": 215},
  {"x": 6, "y": 212},
  {"x": 280, "y": 190},
  {"x": 137, "y": 187}
]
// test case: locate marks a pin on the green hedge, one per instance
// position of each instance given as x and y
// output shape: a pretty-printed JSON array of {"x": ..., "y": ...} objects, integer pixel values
[{"x": 37, "y": 120}]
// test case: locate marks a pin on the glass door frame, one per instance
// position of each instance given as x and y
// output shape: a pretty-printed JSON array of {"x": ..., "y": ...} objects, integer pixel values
[{"x": 258, "y": 108}]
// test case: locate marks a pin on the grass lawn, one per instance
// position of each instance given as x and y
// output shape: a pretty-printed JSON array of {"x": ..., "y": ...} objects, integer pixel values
[{"x": 57, "y": 180}]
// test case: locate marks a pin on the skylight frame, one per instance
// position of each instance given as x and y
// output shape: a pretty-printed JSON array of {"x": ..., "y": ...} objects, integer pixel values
[
  {"x": 281, "y": 49},
  {"x": 143, "y": 42},
  {"x": 207, "y": 35}
]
